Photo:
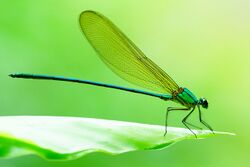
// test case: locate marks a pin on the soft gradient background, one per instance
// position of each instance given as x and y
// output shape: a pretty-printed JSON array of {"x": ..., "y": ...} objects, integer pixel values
[{"x": 202, "y": 44}]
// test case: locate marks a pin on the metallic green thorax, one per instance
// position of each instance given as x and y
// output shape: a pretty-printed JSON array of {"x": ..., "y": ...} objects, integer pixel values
[{"x": 186, "y": 98}]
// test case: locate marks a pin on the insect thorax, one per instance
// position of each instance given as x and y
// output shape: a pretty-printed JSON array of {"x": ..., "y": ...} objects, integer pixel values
[{"x": 185, "y": 97}]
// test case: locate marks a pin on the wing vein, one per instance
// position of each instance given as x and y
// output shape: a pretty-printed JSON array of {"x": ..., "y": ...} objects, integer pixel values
[{"x": 122, "y": 56}]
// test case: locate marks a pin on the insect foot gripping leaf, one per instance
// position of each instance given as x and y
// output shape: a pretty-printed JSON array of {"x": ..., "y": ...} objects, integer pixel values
[{"x": 67, "y": 138}]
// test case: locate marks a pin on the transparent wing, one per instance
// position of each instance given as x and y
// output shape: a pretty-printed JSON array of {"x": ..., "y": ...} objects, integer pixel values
[{"x": 122, "y": 56}]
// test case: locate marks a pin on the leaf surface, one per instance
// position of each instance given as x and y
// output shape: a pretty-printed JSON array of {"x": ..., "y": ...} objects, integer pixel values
[{"x": 67, "y": 138}]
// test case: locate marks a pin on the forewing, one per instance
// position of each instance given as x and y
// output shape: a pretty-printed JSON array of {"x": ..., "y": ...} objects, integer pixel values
[{"x": 122, "y": 56}]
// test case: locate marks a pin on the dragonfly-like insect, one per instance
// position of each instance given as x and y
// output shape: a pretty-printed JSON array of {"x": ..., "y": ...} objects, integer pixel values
[{"x": 125, "y": 59}]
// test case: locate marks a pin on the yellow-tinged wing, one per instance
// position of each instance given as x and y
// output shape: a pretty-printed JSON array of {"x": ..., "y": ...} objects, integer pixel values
[{"x": 122, "y": 56}]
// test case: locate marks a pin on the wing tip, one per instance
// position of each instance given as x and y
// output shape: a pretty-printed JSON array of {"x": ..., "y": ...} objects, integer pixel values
[{"x": 87, "y": 12}]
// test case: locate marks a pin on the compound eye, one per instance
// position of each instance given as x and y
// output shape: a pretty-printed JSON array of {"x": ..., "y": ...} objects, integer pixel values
[{"x": 204, "y": 103}]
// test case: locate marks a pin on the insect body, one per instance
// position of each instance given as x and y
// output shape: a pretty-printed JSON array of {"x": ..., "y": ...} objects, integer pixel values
[{"x": 125, "y": 59}]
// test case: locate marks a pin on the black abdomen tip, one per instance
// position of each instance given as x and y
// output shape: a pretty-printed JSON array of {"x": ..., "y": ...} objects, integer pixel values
[{"x": 12, "y": 75}]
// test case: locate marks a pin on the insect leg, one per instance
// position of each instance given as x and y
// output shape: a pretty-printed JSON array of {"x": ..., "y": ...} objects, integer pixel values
[
  {"x": 186, "y": 124},
  {"x": 203, "y": 122},
  {"x": 166, "y": 119},
  {"x": 197, "y": 127}
]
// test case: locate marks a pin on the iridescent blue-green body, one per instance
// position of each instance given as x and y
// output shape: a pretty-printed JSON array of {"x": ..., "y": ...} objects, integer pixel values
[
  {"x": 126, "y": 60},
  {"x": 186, "y": 98}
]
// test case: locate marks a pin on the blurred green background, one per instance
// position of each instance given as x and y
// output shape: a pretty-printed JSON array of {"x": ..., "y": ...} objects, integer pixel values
[{"x": 203, "y": 45}]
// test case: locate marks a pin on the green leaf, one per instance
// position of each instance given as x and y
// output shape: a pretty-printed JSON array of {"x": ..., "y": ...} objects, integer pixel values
[{"x": 67, "y": 138}]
